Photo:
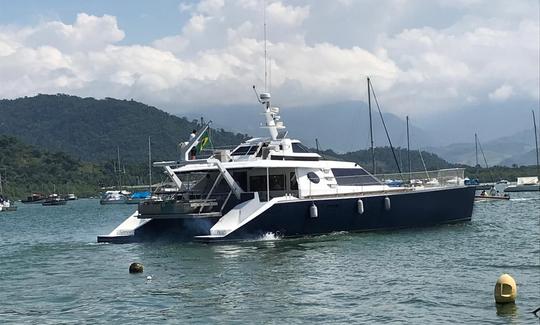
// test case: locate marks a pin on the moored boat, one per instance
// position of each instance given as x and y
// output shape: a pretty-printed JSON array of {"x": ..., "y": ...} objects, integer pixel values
[
  {"x": 113, "y": 197},
  {"x": 138, "y": 197},
  {"x": 54, "y": 199},
  {"x": 71, "y": 197},
  {"x": 524, "y": 184},
  {"x": 6, "y": 205},
  {"x": 35, "y": 198}
]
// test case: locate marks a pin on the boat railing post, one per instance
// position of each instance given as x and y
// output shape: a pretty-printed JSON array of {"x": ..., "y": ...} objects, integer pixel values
[{"x": 267, "y": 184}]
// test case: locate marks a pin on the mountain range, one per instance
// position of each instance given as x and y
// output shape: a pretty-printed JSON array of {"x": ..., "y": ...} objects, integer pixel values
[
  {"x": 92, "y": 129},
  {"x": 517, "y": 149}
]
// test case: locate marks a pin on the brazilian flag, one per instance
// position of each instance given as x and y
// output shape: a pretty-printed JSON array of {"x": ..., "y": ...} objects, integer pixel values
[{"x": 204, "y": 141}]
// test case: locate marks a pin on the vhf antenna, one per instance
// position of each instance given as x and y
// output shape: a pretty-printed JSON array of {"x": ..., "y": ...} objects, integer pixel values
[{"x": 265, "y": 64}]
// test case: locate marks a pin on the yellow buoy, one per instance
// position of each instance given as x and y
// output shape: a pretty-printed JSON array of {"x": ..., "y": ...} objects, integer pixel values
[{"x": 505, "y": 289}]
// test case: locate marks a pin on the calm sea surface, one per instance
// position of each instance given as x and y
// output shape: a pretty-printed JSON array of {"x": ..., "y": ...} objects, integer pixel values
[{"x": 52, "y": 271}]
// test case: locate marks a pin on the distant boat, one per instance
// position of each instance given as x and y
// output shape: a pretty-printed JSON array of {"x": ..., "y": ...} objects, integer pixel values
[
  {"x": 35, "y": 198},
  {"x": 525, "y": 184},
  {"x": 139, "y": 197},
  {"x": 6, "y": 205},
  {"x": 54, "y": 199},
  {"x": 493, "y": 194},
  {"x": 71, "y": 197},
  {"x": 113, "y": 197},
  {"x": 528, "y": 184}
]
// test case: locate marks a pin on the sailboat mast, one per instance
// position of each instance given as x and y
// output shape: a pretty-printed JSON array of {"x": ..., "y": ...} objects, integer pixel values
[
  {"x": 119, "y": 170},
  {"x": 149, "y": 165},
  {"x": 370, "y": 126},
  {"x": 408, "y": 148},
  {"x": 476, "y": 148},
  {"x": 536, "y": 143}
]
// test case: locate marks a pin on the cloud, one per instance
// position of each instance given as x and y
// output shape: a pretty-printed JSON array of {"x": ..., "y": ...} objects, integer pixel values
[
  {"x": 86, "y": 34},
  {"x": 502, "y": 93},
  {"x": 278, "y": 13},
  {"x": 319, "y": 52}
]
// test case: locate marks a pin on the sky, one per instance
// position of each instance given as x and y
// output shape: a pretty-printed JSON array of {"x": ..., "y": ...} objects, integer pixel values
[{"x": 425, "y": 58}]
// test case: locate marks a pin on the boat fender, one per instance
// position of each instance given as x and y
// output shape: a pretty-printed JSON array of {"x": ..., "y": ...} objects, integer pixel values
[
  {"x": 360, "y": 206},
  {"x": 387, "y": 204},
  {"x": 313, "y": 211}
]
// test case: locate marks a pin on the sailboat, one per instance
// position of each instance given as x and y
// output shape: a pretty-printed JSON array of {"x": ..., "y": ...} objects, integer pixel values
[
  {"x": 531, "y": 183},
  {"x": 141, "y": 196},
  {"x": 489, "y": 192},
  {"x": 115, "y": 196},
  {"x": 5, "y": 203}
]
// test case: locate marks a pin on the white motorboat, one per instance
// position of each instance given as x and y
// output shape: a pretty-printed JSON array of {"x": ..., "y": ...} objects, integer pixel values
[{"x": 276, "y": 185}]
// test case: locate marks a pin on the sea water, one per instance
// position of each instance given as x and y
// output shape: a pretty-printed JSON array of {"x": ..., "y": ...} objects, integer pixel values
[{"x": 53, "y": 271}]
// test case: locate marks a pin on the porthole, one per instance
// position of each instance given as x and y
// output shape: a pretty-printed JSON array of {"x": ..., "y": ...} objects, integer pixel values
[{"x": 313, "y": 177}]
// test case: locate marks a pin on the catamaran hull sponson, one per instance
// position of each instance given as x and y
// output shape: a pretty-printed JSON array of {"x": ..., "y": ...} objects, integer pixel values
[
  {"x": 174, "y": 229},
  {"x": 407, "y": 210},
  {"x": 292, "y": 218}
]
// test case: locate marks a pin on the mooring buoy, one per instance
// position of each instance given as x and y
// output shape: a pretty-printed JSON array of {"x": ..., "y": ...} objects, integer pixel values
[
  {"x": 505, "y": 289},
  {"x": 136, "y": 268}
]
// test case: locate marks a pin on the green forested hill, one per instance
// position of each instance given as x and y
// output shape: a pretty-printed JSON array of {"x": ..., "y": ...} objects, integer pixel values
[
  {"x": 25, "y": 169},
  {"x": 92, "y": 129}
]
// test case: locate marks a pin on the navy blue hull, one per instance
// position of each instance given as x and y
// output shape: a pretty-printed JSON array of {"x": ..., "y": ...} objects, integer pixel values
[
  {"x": 412, "y": 209},
  {"x": 292, "y": 218}
]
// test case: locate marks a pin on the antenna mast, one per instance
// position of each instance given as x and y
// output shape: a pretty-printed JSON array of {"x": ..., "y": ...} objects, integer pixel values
[{"x": 265, "y": 64}]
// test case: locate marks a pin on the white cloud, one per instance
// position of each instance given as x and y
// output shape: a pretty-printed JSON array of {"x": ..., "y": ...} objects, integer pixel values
[
  {"x": 219, "y": 54},
  {"x": 502, "y": 93},
  {"x": 278, "y": 13},
  {"x": 87, "y": 33}
]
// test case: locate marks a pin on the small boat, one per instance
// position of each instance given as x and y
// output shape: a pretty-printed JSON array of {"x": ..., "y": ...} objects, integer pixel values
[
  {"x": 113, "y": 197},
  {"x": 528, "y": 184},
  {"x": 493, "y": 194},
  {"x": 71, "y": 197},
  {"x": 34, "y": 198},
  {"x": 138, "y": 197},
  {"x": 524, "y": 184},
  {"x": 6, "y": 205},
  {"x": 54, "y": 199}
]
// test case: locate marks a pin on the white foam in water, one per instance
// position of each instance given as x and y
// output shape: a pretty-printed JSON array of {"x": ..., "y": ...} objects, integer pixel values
[
  {"x": 269, "y": 236},
  {"x": 522, "y": 199}
]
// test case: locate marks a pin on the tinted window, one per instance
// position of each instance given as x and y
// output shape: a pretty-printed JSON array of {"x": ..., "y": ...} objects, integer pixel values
[
  {"x": 257, "y": 183},
  {"x": 241, "y": 151},
  {"x": 241, "y": 179},
  {"x": 313, "y": 177},
  {"x": 252, "y": 150},
  {"x": 298, "y": 147},
  {"x": 277, "y": 182},
  {"x": 353, "y": 176}
]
